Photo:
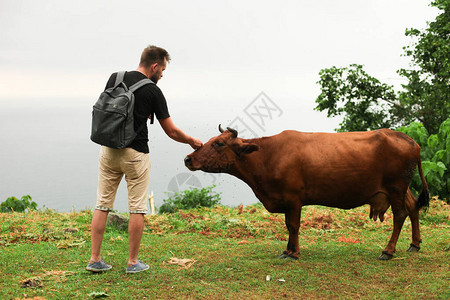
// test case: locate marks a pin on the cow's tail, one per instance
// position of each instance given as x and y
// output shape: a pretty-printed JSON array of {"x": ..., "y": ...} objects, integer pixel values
[{"x": 424, "y": 198}]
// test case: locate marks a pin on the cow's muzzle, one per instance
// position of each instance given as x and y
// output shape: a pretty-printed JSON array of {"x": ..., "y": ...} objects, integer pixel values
[{"x": 188, "y": 163}]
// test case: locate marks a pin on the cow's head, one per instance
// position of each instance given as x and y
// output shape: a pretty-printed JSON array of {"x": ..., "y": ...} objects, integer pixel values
[{"x": 220, "y": 153}]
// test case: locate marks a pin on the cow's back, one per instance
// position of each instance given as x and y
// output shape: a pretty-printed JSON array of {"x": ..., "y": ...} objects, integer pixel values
[{"x": 342, "y": 169}]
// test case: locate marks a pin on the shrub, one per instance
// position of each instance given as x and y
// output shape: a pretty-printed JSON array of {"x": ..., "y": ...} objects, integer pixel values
[
  {"x": 12, "y": 204},
  {"x": 192, "y": 198},
  {"x": 435, "y": 154}
]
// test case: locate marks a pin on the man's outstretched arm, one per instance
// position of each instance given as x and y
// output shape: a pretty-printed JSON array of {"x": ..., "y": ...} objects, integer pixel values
[{"x": 177, "y": 134}]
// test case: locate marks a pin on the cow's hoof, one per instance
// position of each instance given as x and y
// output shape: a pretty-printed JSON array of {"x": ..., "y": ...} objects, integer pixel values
[
  {"x": 385, "y": 256},
  {"x": 413, "y": 248},
  {"x": 287, "y": 256},
  {"x": 291, "y": 257}
]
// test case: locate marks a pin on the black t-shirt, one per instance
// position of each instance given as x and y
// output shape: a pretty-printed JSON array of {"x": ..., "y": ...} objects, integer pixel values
[{"x": 148, "y": 99}]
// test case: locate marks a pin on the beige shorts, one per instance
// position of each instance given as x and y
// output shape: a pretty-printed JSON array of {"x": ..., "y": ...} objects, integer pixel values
[{"x": 115, "y": 163}]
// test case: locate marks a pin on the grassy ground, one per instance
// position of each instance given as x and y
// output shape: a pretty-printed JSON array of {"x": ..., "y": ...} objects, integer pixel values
[{"x": 234, "y": 255}]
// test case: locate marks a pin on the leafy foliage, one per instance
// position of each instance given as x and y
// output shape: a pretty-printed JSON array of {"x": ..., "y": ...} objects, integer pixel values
[
  {"x": 368, "y": 104},
  {"x": 356, "y": 95},
  {"x": 435, "y": 155},
  {"x": 192, "y": 198},
  {"x": 427, "y": 94},
  {"x": 12, "y": 204}
]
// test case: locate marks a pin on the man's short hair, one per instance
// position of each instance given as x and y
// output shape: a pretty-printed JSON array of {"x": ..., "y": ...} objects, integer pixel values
[{"x": 153, "y": 54}]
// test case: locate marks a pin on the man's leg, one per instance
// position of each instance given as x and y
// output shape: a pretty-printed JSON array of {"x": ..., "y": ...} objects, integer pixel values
[
  {"x": 137, "y": 175},
  {"x": 98, "y": 225},
  {"x": 135, "y": 230},
  {"x": 109, "y": 177}
]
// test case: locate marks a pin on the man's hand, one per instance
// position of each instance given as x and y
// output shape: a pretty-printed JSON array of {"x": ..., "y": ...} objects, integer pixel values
[{"x": 195, "y": 143}]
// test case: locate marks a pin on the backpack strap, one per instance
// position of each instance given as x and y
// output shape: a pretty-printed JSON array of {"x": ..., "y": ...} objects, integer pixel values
[
  {"x": 152, "y": 117},
  {"x": 119, "y": 78},
  {"x": 133, "y": 88},
  {"x": 140, "y": 84}
]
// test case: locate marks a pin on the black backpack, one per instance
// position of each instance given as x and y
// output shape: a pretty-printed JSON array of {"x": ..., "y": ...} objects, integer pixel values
[{"x": 112, "y": 115}]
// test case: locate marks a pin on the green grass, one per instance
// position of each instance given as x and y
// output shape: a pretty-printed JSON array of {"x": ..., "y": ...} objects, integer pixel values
[{"x": 234, "y": 250}]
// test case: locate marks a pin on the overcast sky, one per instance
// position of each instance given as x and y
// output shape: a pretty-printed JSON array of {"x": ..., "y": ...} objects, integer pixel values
[
  {"x": 250, "y": 64},
  {"x": 224, "y": 53}
]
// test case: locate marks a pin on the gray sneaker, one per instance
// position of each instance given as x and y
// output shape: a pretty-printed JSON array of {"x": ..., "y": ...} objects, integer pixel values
[
  {"x": 136, "y": 268},
  {"x": 99, "y": 266}
]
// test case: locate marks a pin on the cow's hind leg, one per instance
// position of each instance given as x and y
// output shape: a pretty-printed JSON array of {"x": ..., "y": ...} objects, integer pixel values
[
  {"x": 415, "y": 245},
  {"x": 400, "y": 215},
  {"x": 413, "y": 211},
  {"x": 292, "y": 218}
]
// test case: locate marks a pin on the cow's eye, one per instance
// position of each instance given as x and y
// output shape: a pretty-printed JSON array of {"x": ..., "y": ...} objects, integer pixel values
[{"x": 219, "y": 144}]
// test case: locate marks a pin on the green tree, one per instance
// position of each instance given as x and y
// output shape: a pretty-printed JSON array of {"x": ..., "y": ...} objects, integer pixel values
[
  {"x": 368, "y": 104},
  {"x": 363, "y": 100}
]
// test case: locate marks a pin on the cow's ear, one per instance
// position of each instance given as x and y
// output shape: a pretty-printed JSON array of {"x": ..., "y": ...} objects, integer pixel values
[{"x": 248, "y": 148}]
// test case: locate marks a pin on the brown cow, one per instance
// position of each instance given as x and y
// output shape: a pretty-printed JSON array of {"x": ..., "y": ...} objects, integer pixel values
[{"x": 292, "y": 169}]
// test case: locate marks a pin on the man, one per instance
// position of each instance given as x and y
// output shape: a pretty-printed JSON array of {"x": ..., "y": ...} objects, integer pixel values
[{"x": 133, "y": 161}]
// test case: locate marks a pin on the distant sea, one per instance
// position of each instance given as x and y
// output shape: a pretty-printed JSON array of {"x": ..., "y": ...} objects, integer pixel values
[{"x": 46, "y": 153}]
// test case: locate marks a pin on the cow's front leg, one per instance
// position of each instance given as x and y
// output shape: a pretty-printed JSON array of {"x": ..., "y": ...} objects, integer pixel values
[{"x": 292, "y": 219}]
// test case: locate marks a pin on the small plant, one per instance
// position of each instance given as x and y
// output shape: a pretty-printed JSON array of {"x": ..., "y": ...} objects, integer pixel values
[
  {"x": 12, "y": 204},
  {"x": 192, "y": 198}
]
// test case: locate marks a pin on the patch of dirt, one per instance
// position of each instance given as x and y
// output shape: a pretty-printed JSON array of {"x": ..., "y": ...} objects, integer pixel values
[
  {"x": 190, "y": 216},
  {"x": 319, "y": 222},
  {"x": 274, "y": 219},
  {"x": 184, "y": 263},
  {"x": 348, "y": 240},
  {"x": 31, "y": 283}
]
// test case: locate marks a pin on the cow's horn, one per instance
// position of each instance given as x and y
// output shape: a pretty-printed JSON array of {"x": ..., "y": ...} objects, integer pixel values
[
  {"x": 221, "y": 129},
  {"x": 233, "y": 131}
]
